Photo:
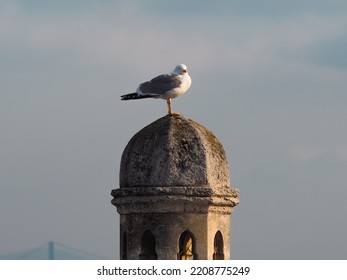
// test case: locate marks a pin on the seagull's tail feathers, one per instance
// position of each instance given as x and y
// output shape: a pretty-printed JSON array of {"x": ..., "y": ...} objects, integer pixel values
[{"x": 134, "y": 95}]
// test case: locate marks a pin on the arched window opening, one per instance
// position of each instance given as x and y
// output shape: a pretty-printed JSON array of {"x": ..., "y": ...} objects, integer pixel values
[
  {"x": 148, "y": 247},
  {"x": 186, "y": 246},
  {"x": 124, "y": 248},
  {"x": 218, "y": 246}
]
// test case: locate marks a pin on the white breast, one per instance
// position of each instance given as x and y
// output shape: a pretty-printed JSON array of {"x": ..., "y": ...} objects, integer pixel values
[{"x": 181, "y": 89}]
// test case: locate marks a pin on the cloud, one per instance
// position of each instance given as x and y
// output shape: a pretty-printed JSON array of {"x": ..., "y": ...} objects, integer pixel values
[
  {"x": 121, "y": 33},
  {"x": 304, "y": 154},
  {"x": 331, "y": 52},
  {"x": 269, "y": 9}
]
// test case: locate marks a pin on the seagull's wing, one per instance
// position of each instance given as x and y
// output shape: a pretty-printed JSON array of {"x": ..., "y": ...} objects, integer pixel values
[{"x": 160, "y": 85}]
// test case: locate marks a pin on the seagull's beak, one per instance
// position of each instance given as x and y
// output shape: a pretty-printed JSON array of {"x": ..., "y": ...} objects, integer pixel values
[{"x": 184, "y": 71}]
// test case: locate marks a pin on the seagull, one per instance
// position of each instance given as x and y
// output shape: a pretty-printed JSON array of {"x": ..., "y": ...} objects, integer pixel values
[{"x": 165, "y": 86}]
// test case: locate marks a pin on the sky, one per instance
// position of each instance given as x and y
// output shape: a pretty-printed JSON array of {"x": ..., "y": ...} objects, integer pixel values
[{"x": 269, "y": 79}]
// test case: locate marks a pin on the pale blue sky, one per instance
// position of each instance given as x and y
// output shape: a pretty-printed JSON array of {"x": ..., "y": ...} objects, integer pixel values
[{"x": 268, "y": 78}]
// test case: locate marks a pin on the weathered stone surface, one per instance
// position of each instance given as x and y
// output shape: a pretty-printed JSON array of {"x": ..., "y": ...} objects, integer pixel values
[
  {"x": 174, "y": 151},
  {"x": 174, "y": 178}
]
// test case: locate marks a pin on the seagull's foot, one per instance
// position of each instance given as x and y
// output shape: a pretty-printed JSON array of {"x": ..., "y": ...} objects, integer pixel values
[
  {"x": 174, "y": 113},
  {"x": 168, "y": 102}
]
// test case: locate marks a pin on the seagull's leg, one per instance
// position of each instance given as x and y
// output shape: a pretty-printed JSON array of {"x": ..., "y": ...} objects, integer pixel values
[{"x": 168, "y": 102}]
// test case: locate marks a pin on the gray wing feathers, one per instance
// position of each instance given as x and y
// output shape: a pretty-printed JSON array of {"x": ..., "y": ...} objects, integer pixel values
[{"x": 160, "y": 84}]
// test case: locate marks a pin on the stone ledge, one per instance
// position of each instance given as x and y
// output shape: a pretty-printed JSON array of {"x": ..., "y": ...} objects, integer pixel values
[
  {"x": 175, "y": 200},
  {"x": 205, "y": 190}
]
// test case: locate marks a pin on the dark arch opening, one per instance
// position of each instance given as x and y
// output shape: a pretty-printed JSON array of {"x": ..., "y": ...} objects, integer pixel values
[
  {"x": 218, "y": 246},
  {"x": 148, "y": 247},
  {"x": 186, "y": 246},
  {"x": 124, "y": 248}
]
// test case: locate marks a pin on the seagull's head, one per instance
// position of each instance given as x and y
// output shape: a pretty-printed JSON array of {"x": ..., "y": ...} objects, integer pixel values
[{"x": 181, "y": 69}]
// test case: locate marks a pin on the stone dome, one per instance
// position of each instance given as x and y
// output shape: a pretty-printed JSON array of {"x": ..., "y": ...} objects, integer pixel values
[{"x": 174, "y": 151}]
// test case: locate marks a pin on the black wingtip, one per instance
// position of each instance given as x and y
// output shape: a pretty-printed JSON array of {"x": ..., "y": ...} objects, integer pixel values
[
  {"x": 129, "y": 96},
  {"x": 133, "y": 96}
]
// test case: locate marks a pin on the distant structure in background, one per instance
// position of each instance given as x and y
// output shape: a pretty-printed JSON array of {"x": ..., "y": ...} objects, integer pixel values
[
  {"x": 51, "y": 251},
  {"x": 174, "y": 199}
]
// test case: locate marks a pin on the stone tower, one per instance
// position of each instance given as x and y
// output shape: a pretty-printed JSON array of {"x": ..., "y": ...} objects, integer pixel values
[{"x": 174, "y": 199}]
